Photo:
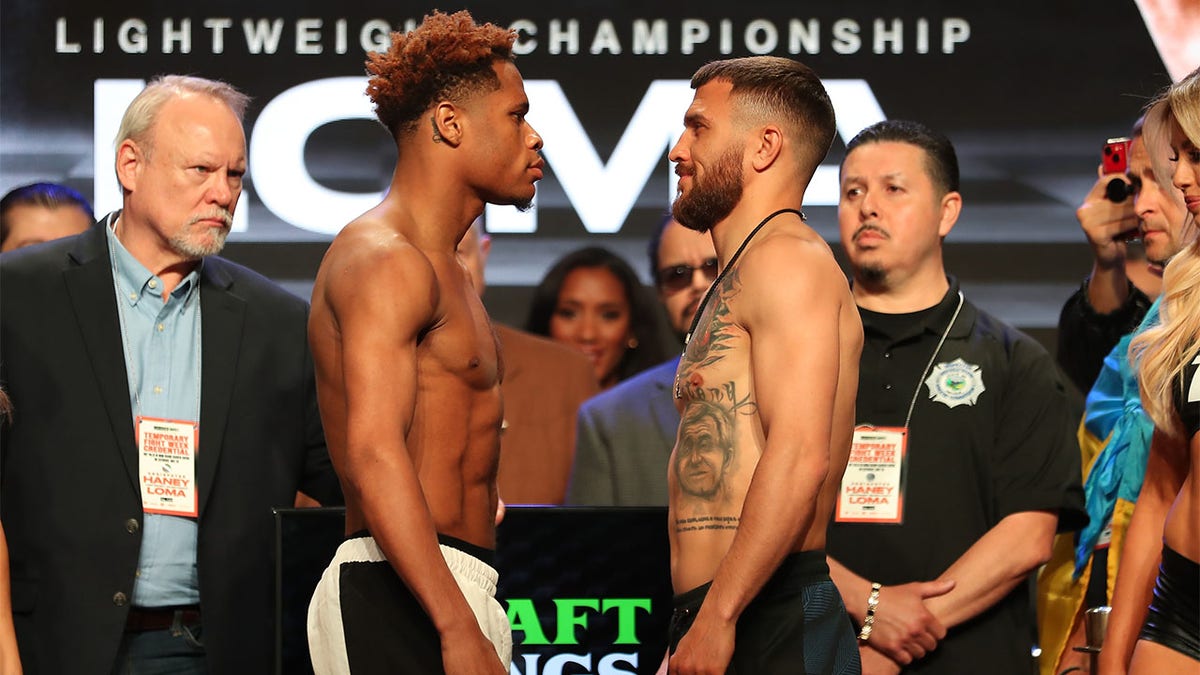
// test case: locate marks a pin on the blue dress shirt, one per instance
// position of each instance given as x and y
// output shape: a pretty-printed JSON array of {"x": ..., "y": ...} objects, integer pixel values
[{"x": 162, "y": 360}]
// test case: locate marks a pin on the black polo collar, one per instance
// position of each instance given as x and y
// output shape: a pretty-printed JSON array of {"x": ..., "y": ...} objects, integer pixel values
[{"x": 932, "y": 320}]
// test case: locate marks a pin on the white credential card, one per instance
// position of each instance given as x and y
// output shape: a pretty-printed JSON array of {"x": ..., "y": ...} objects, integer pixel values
[
  {"x": 167, "y": 465},
  {"x": 871, "y": 490}
]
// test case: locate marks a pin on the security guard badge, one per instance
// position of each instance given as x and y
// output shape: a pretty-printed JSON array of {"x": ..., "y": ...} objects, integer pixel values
[{"x": 955, "y": 383}]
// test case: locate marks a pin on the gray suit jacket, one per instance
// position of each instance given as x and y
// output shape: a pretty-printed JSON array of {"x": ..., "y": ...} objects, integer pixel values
[{"x": 623, "y": 442}]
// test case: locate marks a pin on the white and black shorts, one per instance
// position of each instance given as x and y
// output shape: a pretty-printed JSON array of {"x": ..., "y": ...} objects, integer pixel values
[{"x": 364, "y": 620}]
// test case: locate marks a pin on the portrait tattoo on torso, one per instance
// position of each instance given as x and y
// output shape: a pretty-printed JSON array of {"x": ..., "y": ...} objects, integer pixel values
[{"x": 706, "y": 457}]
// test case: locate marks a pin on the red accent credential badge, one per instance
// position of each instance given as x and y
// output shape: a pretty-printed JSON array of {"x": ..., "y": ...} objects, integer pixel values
[
  {"x": 167, "y": 465},
  {"x": 872, "y": 491}
]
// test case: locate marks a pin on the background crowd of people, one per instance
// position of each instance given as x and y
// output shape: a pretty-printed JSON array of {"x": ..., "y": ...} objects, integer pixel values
[{"x": 1002, "y": 480}]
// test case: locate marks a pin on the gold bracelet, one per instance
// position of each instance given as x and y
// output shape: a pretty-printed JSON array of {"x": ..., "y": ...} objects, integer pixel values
[{"x": 869, "y": 620}]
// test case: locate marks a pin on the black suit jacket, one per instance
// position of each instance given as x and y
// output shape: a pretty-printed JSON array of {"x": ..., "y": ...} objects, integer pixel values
[{"x": 69, "y": 496}]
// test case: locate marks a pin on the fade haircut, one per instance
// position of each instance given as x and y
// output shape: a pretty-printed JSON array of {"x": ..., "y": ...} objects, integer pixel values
[
  {"x": 941, "y": 163},
  {"x": 143, "y": 112},
  {"x": 447, "y": 57},
  {"x": 771, "y": 88}
]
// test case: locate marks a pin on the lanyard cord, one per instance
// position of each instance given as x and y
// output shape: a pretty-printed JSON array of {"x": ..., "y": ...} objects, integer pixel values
[
  {"x": 932, "y": 356},
  {"x": 717, "y": 282},
  {"x": 129, "y": 362}
]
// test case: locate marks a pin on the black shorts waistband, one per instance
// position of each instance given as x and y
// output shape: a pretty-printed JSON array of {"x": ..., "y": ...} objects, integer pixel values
[
  {"x": 795, "y": 572},
  {"x": 1173, "y": 616},
  {"x": 484, "y": 555},
  {"x": 1177, "y": 562},
  {"x": 691, "y": 598}
]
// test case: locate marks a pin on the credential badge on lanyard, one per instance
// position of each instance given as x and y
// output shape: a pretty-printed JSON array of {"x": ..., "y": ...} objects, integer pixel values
[{"x": 167, "y": 466}]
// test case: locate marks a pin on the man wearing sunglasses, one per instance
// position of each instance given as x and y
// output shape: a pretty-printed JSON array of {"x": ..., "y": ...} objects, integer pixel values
[{"x": 625, "y": 434}]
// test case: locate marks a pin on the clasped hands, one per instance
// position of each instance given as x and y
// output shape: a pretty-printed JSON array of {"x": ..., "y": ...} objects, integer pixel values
[{"x": 905, "y": 630}]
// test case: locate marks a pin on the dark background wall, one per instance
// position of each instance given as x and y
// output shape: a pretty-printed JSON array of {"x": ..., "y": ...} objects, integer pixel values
[{"x": 1028, "y": 93}]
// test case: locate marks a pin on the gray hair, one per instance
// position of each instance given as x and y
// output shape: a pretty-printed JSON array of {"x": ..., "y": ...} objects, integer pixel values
[{"x": 142, "y": 113}]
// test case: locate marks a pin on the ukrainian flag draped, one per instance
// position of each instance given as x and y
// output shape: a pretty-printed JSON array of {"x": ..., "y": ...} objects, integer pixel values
[
  {"x": 1114, "y": 410},
  {"x": 1114, "y": 441}
]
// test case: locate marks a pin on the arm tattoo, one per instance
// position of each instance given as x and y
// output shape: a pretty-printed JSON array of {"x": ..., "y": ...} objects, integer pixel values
[{"x": 706, "y": 523}]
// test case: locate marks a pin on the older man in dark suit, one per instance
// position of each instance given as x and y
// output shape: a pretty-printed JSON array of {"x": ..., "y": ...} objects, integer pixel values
[
  {"x": 625, "y": 434},
  {"x": 164, "y": 402}
]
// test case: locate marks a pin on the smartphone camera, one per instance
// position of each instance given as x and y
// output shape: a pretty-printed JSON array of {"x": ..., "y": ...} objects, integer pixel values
[
  {"x": 1117, "y": 190},
  {"x": 1115, "y": 159}
]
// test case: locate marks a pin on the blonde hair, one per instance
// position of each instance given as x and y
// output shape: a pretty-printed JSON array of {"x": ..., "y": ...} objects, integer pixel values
[{"x": 1162, "y": 352}]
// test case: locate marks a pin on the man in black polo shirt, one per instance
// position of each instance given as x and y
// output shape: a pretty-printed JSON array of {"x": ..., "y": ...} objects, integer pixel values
[{"x": 964, "y": 463}]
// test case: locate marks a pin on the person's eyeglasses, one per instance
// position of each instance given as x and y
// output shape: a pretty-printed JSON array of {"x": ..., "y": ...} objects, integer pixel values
[{"x": 678, "y": 277}]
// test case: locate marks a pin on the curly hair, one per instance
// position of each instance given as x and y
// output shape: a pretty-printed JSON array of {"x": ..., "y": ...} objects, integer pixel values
[{"x": 447, "y": 57}]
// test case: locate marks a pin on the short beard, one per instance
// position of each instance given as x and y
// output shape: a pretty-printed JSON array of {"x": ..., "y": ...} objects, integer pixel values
[
  {"x": 518, "y": 203},
  {"x": 712, "y": 200},
  {"x": 872, "y": 275},
  {"x": 212, "y": 244}
]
